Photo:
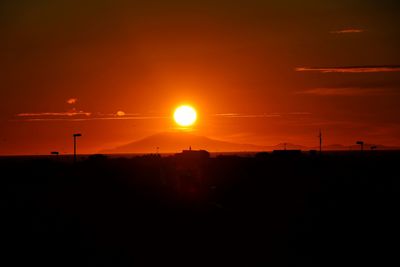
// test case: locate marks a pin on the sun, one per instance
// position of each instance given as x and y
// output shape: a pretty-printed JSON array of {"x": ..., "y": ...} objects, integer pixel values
[{"x": 185, "y": 115}]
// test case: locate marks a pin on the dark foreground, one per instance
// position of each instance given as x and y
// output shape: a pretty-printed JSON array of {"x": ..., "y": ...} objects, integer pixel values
[{"x": 327, "y": 210}]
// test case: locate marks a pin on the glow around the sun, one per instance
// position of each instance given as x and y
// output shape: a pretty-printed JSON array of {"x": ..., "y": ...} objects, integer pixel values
[{"x": 185, "y": 115}]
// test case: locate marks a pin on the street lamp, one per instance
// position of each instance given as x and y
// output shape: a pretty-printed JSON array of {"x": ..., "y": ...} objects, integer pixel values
[
  {"x": 361, "y": 143},
  {"x": 75, "y": 136}
]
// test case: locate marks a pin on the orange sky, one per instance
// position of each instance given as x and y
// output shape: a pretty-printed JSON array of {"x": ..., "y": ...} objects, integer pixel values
[{"x": 260, "y": 73}]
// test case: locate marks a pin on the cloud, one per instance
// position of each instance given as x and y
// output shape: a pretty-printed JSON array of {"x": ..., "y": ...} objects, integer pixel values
[
  {"x": 237, "y": 115},
  {"x": 270, "y": 115},
  {"x": 55, "y": 114},
  {"x": 300, "y": 113},
  {"x": 72, "y": 101},
  {"x": 120, "y": 113},
  {"x": 353, "y": 69},
  {"x": 348, "y": 30},
  {"x": 347, "y": 91},
  {"x": 97, "y": 118},
  {"x": 74, "y": 115}
]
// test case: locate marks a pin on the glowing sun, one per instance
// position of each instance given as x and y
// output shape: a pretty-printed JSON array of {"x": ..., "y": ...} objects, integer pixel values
[{"x": 185, "y": 116}]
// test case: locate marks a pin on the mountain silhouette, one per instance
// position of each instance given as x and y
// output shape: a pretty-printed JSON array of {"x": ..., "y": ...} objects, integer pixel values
[
  {"x": 339, "y": 147},
  {"x": 172, "y": 142},
  {"x": 288, "y": 146}
]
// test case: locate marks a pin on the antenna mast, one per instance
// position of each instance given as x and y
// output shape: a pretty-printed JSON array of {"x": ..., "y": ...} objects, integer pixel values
[{"x": 320, "y": 141}]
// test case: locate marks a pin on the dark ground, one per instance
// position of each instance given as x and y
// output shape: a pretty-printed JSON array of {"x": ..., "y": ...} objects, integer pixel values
[{"x": 327, "y": 210}]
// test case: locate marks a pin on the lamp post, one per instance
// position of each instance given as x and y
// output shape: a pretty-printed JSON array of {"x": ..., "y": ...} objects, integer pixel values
[
  {"x": 361, "y": 143},
  {"x": 75, "y": 136}
]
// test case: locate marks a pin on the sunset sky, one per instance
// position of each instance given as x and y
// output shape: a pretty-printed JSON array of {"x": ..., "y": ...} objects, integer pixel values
[{"x": 258, "y": 72}]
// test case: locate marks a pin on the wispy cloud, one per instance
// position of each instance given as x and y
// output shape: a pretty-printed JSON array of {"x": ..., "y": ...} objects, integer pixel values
[
  {"x": 348, "y": 91},
  {"x": 348, "y": 30},
  {"x": 55, "y": 114},
  {"x": 96, "y": 118},
  {"x": 300, "y": 113},
  {"x": 74, "y": 115},
  {"x": 238, "y": 115},
  {"x": 72, "y": 101},
  {"x": 265, "y": 115},
  {"x": 121, "y": 115},
  {"x": 351, "y": 69}
]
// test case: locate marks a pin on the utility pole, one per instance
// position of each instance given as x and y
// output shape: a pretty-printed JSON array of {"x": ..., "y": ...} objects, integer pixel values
[
  {"x": 320, "y": 141},
  {"x": 75, "y": 136}
]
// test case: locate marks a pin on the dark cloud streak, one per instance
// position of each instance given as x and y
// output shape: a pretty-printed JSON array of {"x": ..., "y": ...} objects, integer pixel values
[
  {"x": 348, "y": 91},
  {"x": 351, "y": 69},
  {"x": 349, "y": 30}
]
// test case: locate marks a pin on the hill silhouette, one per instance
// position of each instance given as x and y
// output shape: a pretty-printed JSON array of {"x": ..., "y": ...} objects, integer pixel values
[
  {"x": 171, "y": 142},
  {"x": 339, "y": 147}
]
